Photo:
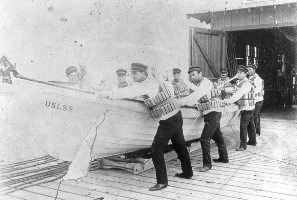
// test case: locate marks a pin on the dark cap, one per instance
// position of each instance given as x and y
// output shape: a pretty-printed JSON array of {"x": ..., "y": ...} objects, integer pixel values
[
  {"x": 224, "y": 70},
  {"x": 198, "y": 69},
  {"x": 70, "y": 69},
  {"x": 242, "y": 68},
  {"x": 121, "y": 71},
  {"x": 252, "y": 66},
  {"x": 176, "y": 70},
  {"x": 138, "y": 67}
]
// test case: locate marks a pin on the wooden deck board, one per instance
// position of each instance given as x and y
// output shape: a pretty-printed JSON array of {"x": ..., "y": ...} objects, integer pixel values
[
  {"x": 190, "y": 183},
  {"x": 182, "y": 187},
  {"x": 8, "y": 197},
  {"x": 92, "y": 190},
  {"x": 52, "y": 193},
  {"x": 140, "y": 187},
  {"x": 235, "y": 186},
  {"x": 23, "y": 194}
]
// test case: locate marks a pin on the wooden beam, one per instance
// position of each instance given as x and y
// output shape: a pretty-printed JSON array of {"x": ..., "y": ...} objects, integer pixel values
[
  {"x": 261, "y": 26},
  {"x": 136, "y": 167},
  {"x": 191, "y": 46},
  {"x": 207, "y": 31},
  {"x": 206, "y": 57}
]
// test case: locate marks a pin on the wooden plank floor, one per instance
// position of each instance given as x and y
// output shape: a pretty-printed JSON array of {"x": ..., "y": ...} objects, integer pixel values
[{"x": 267, "y": 171}]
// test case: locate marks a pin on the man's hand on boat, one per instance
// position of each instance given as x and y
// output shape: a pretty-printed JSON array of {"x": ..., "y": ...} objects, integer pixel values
[{"x": 227, "y": 102}]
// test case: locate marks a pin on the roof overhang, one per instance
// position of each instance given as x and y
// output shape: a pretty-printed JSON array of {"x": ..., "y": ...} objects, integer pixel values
[{"x": 204, "y": 15}]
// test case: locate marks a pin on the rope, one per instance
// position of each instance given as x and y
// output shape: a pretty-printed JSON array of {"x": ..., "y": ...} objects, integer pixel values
[
  {"x": 191, "y": 125},
  {"x": 141, "y": 120},
  {"x": 229, "y": 118}
]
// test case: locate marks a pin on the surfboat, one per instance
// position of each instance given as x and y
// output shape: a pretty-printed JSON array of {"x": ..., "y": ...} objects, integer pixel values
[{"x": 63, "y": 116}]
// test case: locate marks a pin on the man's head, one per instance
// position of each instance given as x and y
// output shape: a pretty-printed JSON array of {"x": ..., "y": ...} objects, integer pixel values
[
  {"x": 72, "y": 75},
  {"x": 195, "y": 74},
  {"x": 121, "y": 73},
  {"x": 138, "y": 72},
  {"x": 241, "y": 72},
  {"x": 176, "y": 74},
  {"x": 224, "y": 72},
  {"x": 251, "y": 69}
]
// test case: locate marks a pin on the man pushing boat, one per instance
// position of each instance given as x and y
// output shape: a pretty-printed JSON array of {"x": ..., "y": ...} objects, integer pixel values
[
  {"x": 204, "y": 96},
  {"x": 158, "y": 96}
]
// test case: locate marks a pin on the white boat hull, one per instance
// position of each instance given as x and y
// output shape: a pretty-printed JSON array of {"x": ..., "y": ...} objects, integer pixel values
[{"x": 63, "y": 117}]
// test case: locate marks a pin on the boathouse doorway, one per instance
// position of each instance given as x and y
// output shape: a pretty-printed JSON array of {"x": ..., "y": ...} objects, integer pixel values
[{"x": 273, "y": 50}]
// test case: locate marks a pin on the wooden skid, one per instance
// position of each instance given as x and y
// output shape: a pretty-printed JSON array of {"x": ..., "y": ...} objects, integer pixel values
[{"x": 140, "y": 165}]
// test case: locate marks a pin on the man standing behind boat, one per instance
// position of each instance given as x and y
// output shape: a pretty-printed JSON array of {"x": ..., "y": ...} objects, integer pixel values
[
  {"x": 179, "y": 86},
  {"x": 212, "y": 116},
  {"x": 74, "y": 78},
  {"x": 258, "y": 84},
  {"x": 224, "y": 80},
  {"x": 158, "y": 96},
  {"x": 244, "y": 98},
  {"x": 122, "y": 78}
]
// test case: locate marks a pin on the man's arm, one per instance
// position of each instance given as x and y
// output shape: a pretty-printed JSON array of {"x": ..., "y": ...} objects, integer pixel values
[
  {"x": 135, "y": 90},
  {"x": 258, "y": 84},
  {"x": 190, "y": 85},
  {"x": 246, "y": 87},
  {"x": 192, "y": 99}
]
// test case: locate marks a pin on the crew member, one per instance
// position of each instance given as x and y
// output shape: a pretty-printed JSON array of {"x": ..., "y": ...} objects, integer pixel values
[
  {"x": 159, "y": 98},
  {"x": 244, "y": 97},
  {"x": 258, "y": 84},
  {"x": 212, "y": 114},
  {"x": 224, "y": 81},
  {"x": 179, "y": 86},
  {"x": 122, "y": 78},
  {"x": 73, "y": 77},
  {"x": 223, "y": 76},
  {"x": 77, "y": 79}
]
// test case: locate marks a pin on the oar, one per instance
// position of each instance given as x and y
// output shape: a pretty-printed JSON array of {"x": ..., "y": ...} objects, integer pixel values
[{"x": 53, "y": 84}]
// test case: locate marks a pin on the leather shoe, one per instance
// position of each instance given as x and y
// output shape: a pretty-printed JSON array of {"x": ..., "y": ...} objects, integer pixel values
[
  {"x": 182, "y": 175},
  {"x": 220, "y": 160},
  {"x": 158, "y": 187},
  {"x": 250, "y": 143},
  {"x": 204, "y": 169},
  {"x": 240, "y": 149}
]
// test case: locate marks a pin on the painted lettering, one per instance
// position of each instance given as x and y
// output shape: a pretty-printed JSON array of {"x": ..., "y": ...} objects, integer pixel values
[
  {"x": 58, "y": 106},
  {"x": 47, "y": 103},
  {"x": 53, "y": 105}
]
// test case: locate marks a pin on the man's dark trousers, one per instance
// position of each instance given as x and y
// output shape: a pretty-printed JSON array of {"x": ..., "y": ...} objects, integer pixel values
[
  {"x": 247, "y": 128},
  {"x": 210, "y": 131},
  {"x": 256, "y": 116},
  {"x": 170, "y": 129}
]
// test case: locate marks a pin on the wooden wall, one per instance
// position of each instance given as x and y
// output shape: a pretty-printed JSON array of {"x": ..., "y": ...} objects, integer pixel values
[
  {"x": 213, "y": 46},
  {"x": 253, "y": 18}
]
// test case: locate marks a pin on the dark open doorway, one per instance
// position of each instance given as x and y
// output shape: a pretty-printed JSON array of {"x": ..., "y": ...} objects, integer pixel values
[{"x": 274, "y": 51}]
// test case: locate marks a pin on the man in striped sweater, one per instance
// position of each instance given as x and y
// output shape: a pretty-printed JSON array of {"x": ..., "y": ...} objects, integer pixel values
[
  {"x": 244, "y": 98},
  {"x": 179, "y": 86},
  {"x": 202, "y": 88},
  {"x": 258, "y": 84}
]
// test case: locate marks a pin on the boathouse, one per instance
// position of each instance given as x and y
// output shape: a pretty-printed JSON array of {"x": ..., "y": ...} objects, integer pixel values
[{"x": 257, "y": 32}]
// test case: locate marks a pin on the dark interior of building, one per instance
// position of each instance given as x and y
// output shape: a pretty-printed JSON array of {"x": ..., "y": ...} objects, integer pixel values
[{"x": 274, "y": 51}]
